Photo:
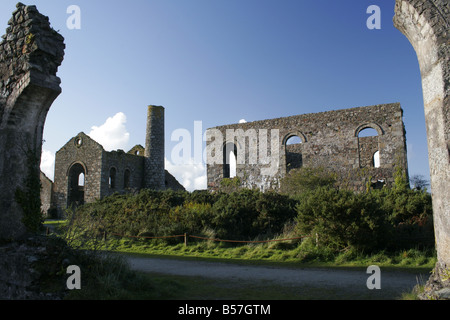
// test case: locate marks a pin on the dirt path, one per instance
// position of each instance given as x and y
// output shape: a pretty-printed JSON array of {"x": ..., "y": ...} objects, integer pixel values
[{"x": 393, "y": 283}]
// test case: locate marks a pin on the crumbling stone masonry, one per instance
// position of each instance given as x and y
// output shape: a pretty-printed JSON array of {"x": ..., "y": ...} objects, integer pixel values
[
  {"x": 30, "y": 54},
  {"x": 333, "y": 140},
  {"x": 84, "y": 171},
  {"x": 426, "y": 24}
]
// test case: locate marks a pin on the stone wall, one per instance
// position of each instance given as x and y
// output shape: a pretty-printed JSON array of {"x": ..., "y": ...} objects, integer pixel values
[
  {"x": 128, "y": 170},
  {"x": 426, "y": 24},
  {"x": 46, "y": 193},
  {"x": 328, "y": 139},
  {"x": 30, "y": 268},
  {"x": 30, "y": 54},
  {"x": 85, "y": 153}
]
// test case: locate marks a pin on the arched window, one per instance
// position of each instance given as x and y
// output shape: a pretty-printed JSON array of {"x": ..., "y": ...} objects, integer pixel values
[
  {"x": 368, "y": 132},
  {"x": 229, "y": 160},
  {"x": 76, "y": 181},
  {"x": 368, "y": 147},
  {"x": 293, "y": 147},
  {"x": 112, "y": 178},
  {"x": 292, "y": 140}
]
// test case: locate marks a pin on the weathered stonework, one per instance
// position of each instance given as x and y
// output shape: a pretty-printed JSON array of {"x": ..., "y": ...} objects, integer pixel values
[
  {"x": 328, "y": 139},
  {"x": 25, "y": 263},
  {"x": 426, "y": 24},
  {"x": 106, "y": 172},
  {"x": 30, "y": 54},
  {"x": 46, "y": 192},
  {"x": 154, "y": 149}
]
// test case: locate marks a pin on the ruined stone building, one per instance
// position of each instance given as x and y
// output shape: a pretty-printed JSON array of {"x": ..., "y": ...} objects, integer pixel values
[
  {"x": 84, "y": 171},
  {"x": 262, "y": 152}
]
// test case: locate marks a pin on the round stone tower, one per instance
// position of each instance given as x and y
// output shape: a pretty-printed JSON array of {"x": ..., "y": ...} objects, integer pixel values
[{"x": 154, "y": 177}]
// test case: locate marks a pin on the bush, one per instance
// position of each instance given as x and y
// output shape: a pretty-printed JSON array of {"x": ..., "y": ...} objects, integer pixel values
[
  {"x": 340, "y": 218},
  {"x": 249, "y": 214},
  {"x": 387, "y": 219},
  {"x": 242, "y": 215},
  {"x": 298, "y": 181},
  {"x": 378, "y": 219}
]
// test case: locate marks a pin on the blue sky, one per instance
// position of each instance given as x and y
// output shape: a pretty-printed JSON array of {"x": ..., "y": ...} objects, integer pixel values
[{"x": 220, "y": 61}]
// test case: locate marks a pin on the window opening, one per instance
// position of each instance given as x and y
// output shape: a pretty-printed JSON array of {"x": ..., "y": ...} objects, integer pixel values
[
  {"x": 112, "y": 178},
  {"x": 230, "y": 161},
  {"x": 294, "y": 157},
  {"x": 76, "y": 186}
]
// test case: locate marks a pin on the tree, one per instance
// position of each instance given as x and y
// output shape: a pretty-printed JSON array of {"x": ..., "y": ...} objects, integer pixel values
[{"x": 419, "y": 182}]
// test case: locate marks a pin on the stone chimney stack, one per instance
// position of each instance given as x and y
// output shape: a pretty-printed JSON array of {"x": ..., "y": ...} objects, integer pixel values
[{"x": 154, "y": 149}]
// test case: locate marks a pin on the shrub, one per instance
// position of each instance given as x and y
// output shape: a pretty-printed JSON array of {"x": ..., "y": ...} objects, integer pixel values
[
  {"x": 298, "y": 181},
  {"x": 249, "y": 214},
  {"x": 378, "y": 219},
  {"x": 391, "y": 218},
  {"x": 340, "y": 218}
]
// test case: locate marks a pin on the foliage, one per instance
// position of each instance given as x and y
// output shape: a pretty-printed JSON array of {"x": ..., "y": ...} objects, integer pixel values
[
  {"x": 238, "y": 215},
  {"x": 305, "y": 179},
  {"x": 249, "y": 213},
  {"x": 109, "y": 277},
  {"x": 378, "y": 219},
  {"x": 388, "y": 219},
  {"x": 341, "y": 218},
  {"x": 230, "y": 184},
  {"x": 419, "y": 182}
]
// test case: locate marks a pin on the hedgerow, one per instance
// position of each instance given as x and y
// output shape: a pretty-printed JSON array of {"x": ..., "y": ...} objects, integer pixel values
[{"x": 387, "y": 219}]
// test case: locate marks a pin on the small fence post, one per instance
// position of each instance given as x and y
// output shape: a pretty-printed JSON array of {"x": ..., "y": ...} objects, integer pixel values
[{"x": 185, "y": 240}]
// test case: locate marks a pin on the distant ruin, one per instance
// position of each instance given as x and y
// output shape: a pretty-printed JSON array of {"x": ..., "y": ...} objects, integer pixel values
[
  {"x": 332, "y": 140},
  {"x": 84, "y": 171},
  {"x": 30, "y": 54}
]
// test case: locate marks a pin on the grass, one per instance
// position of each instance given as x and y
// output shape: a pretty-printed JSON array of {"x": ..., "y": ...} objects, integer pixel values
[{"x": 290, "y": 255}]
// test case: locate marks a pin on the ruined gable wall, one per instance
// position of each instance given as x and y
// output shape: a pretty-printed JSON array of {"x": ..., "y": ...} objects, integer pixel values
[
  {"x": 84, "y": 150},
  {"x": 329, "y": 140}
]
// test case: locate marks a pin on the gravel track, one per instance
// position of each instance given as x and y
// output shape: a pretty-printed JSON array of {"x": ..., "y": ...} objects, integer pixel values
[{"x": 393, "y": 283}]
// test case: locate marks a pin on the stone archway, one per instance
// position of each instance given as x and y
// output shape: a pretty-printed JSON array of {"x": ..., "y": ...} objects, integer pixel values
[
  {"x": 426, "y": 24},
  {"x": 75, "y": 194},
  {"x": 30, "y": 54}
]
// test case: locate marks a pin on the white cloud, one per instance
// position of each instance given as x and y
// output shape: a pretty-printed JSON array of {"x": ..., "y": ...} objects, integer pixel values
[
  {"x": 48, "y": 164},
  {"x": 191, "y": 175},
  {"x": 242, "y": 121},
  {"x": 112, "y": 135}
]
